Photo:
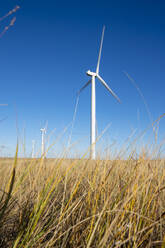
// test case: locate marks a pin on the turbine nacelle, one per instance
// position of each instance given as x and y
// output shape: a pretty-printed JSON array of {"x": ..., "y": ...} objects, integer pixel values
[
  {"x": 43, "y": 130},
  {"x": 89, "y": 73}
]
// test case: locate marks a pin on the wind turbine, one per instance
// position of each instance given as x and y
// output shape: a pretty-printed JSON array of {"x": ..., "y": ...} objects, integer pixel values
[
  {"x": 93, "y": 76},
  {"x": 43, "y": 132}
]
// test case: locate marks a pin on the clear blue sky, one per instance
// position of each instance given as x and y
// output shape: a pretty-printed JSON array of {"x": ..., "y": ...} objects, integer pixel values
[{"x": 45, "y": 56}]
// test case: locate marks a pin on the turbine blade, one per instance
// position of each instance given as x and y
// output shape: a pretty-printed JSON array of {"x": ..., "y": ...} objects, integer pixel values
[
  {"x": 84, "y": 86},
  {"x": 101, "y": 44},
  {"x": 107, "y": 87},
  {"x": 3, "y": 104}
]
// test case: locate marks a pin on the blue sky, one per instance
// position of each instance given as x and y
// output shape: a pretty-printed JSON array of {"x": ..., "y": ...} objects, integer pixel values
[{"x": 44, "y": 59}]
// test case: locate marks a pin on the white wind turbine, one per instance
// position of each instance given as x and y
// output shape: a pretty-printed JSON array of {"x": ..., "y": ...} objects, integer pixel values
[
  {"x": 43, "y": 132},
  {"x": 93, "y": 76}
]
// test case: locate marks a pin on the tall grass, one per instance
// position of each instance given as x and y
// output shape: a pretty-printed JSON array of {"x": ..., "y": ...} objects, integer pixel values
[
  {"x": 82, "y": 203},
  {"x": 11, "y": 23}
]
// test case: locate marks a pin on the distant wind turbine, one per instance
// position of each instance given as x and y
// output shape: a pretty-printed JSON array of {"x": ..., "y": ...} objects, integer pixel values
[
  {"x": 93, "y": 76},
  {"x": 43, "y": 132}
]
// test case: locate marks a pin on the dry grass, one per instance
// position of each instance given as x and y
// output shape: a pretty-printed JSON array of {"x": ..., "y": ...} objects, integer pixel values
[
  {"x": 11, "y": 22},
  {"x": 82, "y": 203}
]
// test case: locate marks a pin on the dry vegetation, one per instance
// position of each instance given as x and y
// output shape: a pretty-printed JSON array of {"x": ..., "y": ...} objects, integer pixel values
[
  {"x": 82, "y": 203},
  {"x": 7, "y": 26}
]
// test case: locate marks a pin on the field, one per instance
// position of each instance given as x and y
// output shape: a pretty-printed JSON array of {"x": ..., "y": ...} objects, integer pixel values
[{"x": 82, "y": 203}]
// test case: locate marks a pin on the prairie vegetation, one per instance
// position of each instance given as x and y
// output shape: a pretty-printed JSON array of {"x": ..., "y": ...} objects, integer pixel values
[
  {"x": 11, "y": 22},
  {"x": 82, "y": 203}
]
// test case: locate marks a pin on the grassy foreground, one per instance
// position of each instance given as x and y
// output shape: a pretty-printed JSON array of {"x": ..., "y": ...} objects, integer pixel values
[{"x": 82, "y": 203}]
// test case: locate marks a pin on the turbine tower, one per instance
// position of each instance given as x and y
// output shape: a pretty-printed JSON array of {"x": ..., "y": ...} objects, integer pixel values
[
  {"x": 43, "y": 132},
  {"x": 93, "y": 76}
]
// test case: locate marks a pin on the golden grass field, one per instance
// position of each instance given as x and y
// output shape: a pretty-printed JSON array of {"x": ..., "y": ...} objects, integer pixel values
[{"x": 82, "y": 203}]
